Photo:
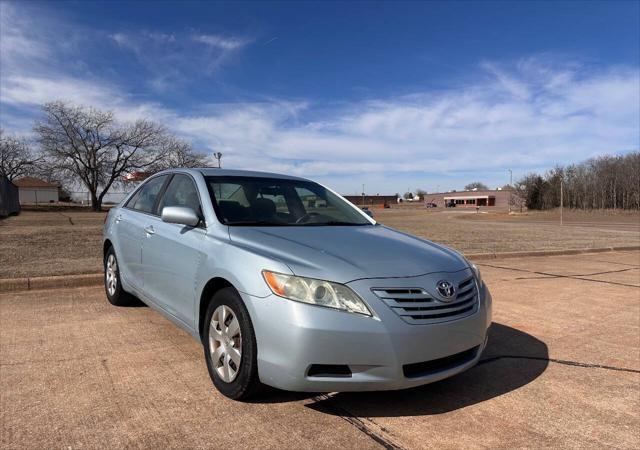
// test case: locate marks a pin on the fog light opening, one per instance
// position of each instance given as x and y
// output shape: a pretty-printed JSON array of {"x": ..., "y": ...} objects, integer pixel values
[{"x": 329, "y": 371}]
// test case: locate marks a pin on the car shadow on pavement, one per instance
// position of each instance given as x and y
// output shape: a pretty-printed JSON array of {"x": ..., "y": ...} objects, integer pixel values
[
  {"x": 511, "y": 360},
  {"x": 134, "y": 302}
]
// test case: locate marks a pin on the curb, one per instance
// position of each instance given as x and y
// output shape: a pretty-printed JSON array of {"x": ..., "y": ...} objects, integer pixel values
[
  {"x": 580, "y": 251},
  {"x": 94, "y": 279},
  {"x": 53, "y": 282}
]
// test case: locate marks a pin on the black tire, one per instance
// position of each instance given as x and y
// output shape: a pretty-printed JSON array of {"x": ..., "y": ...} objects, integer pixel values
[
  {"x": 246, "y": 382},
  {"x": 118, "y": 296}
]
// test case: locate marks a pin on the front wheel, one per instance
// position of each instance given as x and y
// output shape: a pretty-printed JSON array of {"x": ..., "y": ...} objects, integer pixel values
[
  {"x": 112, "y": 284},
  {"x": 230, "y": 347}
]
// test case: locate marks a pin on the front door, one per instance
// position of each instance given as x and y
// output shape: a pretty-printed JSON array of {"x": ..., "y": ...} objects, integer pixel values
[{"x": 171, "y": 254}]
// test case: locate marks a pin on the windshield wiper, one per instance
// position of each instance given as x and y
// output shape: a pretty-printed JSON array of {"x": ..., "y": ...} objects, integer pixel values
[
  {"x": 264, "y": 223},
  {"x": 334, "y": 223},
  {"x": 267, "y": 223}
]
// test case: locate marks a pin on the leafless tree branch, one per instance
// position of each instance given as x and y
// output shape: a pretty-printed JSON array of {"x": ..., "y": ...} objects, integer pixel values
[
  {"x": 17, "y": 157},
  {"x": 90, "y": 145}
]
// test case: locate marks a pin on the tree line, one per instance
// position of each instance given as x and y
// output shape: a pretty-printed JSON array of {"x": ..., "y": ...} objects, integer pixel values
[
  {"x": 605, "y": 182},
  {"x": 82, "y": 144}
]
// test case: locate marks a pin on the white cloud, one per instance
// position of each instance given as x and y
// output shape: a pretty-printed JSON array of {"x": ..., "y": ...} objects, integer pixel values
[
  {"x": 34, "y": 91},
  {"x": 511, "y": 85},
  {"x": 168, "y": 56},
  {"x": 121, "y": 39},
  {"x": 220, "y": 42},
  {"x": 16, "y": 44}
]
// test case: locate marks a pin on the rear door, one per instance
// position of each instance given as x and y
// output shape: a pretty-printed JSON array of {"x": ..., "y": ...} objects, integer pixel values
[
  {"x": 130, "y": 222},
  {"x": 172, "y": 254}
]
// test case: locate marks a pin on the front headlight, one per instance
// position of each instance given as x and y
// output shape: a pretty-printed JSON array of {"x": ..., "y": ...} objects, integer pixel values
[
  {"x": 315, "y": 292},
  {"x": 476, "y": 272}
]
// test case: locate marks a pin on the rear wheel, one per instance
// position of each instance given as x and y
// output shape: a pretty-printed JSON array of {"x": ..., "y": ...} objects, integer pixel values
[
  {"x": 230, "y": 347},
  {"x": 112, "y": 285}
]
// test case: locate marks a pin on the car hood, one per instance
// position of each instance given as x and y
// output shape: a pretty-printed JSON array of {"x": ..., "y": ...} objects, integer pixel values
[{"x": 347, "y": 253}]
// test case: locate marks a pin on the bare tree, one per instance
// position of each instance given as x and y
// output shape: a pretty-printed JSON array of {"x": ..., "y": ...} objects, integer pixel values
[
  {"x": 476, "y": 185},
  {"x": 178, "y": 153},
  {"x": 421, "y": 193},
  {"x": 518, "y": 197},
  {"x": 91, "y": 146},
  {"x": 17, "y": 158},
  {"x": 599, "y": 183}
]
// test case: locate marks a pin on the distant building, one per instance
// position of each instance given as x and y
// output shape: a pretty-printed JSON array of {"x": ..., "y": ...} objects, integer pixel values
[
  {"x": 372, "y": 200},
  {"x": 35, "y": 190},
  {"x": 470, "y": 199}
]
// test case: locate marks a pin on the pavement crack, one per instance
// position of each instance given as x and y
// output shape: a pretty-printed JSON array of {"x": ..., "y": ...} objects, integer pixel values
[
  {"x": 618, "y": 263},
  {"x": 606, "y": 272},
  {"x": 557, "y": 361},
  {"x": 580, "y": 278},
  {"x": 112, "y": 387},
  {"x": 366, "y": 426},
  {"x": 573, "y": 277},
  {"x": 513, "y": 269}
]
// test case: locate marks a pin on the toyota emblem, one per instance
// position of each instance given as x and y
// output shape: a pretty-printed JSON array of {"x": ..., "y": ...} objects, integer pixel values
[{"x": 446, "y": 290}]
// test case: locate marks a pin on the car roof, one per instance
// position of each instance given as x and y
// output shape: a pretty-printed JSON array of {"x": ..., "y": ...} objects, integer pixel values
[{"x": 214, "y": 171}]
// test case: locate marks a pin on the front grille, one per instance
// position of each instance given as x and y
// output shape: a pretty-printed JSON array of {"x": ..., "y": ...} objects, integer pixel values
[
  {"x": 417, "y": 306},
  {"x": 425, "y": 368}
]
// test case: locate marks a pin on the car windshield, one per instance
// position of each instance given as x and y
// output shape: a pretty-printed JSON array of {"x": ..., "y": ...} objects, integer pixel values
[{"x": 253, "y": 201}]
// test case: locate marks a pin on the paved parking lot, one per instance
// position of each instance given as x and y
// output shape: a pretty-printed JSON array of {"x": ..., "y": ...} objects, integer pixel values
[{"x": 562, "y": 369}]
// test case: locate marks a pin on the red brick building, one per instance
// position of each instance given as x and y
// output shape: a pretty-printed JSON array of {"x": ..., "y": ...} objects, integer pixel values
[
  {"x": 372, "y": 200},
  {"x": 470, "y": 199}
]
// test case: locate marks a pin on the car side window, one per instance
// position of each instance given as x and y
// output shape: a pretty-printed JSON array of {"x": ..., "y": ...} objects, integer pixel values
[
  {"x": 181, "y": 192},
  {"x": 145, "y": 199}
]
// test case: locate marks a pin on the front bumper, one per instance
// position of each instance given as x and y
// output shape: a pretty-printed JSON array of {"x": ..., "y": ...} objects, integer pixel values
[{"x": 294, "y": 336}]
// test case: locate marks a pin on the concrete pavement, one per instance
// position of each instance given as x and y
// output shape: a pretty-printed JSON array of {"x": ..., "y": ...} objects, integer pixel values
[{"x": 562, "y": 369}]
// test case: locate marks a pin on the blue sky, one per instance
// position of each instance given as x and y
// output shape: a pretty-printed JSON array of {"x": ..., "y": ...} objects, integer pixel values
[{"x": 393, "y": 95}]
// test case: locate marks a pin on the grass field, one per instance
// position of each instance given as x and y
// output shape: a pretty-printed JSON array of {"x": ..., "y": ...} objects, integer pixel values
[
  {"x": 499, "y": 232},
  {"x": 38, "y": 243},
  {"x": 50, "y": 243}
]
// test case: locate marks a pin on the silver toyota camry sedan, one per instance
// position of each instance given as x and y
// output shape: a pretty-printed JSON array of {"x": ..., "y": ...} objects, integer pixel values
[{"x": 287, "y": 284}]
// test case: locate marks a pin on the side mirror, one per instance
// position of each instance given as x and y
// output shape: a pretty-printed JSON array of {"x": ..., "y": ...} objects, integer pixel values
[
  {"x": 368, "y": 212},
  {"x": 180, "y": 215}
]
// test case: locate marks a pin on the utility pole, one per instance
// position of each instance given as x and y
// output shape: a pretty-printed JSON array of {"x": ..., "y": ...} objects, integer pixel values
[
  {"x": 510, "y": 188},
  {"x": 362, "y": 194},
  {"x": 561, "y": 200},
  {"x": 218, "y": 156}
]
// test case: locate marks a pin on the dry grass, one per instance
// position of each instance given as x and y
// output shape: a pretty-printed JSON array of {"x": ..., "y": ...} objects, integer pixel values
[
  {"x": 38, "y": 243},
  {"x": 477, "y": 233},
  {"x": 50, "y": 243}
]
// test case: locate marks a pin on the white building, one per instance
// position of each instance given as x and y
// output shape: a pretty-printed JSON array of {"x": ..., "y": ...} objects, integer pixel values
[{"x": 34, "y": 190}]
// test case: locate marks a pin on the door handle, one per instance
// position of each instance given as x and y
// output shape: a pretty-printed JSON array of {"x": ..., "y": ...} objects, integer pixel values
[{"x": 149, "y": 229}]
